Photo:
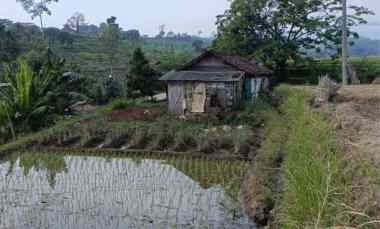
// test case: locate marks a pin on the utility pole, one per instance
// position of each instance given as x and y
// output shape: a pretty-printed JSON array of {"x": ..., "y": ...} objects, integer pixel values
[{"x": 344, "y": 44}]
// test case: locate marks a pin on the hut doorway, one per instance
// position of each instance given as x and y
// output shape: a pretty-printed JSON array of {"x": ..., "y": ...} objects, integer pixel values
[
  {"x": 199, "y": 98},
  {"x": 217, "y": 100}
]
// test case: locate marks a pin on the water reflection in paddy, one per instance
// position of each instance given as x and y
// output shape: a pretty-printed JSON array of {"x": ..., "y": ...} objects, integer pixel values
[{"x": 44, "y": 191}]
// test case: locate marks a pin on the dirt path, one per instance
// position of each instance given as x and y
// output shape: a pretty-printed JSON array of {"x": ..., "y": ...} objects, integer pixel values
[{"x": 358, "y": 110}]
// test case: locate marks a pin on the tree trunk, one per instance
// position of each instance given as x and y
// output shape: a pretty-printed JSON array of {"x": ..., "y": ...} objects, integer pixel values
[{"x": 42, "y": 27}]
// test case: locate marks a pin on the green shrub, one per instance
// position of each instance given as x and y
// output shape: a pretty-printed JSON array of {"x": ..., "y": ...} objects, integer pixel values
[
  {"x": 120, "y": 104},
  {"x": 367, "y": 70}
]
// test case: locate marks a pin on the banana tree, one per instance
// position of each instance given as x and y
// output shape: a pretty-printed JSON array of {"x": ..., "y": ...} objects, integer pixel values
[{"x": 30, "y": 98}]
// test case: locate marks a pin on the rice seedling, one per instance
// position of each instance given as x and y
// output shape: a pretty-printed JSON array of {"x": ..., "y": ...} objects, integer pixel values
[
  {"x": 139, "y": 191},
  {"x": 185, "y": 140},
  {"x": 141, "y": 139}
]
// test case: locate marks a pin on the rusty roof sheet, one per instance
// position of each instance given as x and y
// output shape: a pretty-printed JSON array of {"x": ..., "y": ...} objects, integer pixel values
[
  {"x": 251, "y": 67},
  {"x": 203, "y": 76}
]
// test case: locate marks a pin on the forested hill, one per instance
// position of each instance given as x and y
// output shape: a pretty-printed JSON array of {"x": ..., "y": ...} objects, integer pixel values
[
  {"x": 361, "y": 47},
  {"x": 365, "y": 47},
  {"x": 84, "y": 53}
]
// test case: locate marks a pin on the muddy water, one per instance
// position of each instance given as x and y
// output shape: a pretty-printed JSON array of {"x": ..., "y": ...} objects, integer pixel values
[{"x": 39, "y": 191}]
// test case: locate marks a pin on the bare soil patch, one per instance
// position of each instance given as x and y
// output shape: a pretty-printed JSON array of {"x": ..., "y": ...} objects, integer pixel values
[
  {"x": 358, "y": 113},
  {"x": 132, "y": 114},
  {"x": 358, "y": 116}
]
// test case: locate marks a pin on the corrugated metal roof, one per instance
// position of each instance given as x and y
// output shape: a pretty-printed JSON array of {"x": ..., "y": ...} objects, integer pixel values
[
  {"x": 203, "y": 76},
  {"x": 251, "y": 67}
]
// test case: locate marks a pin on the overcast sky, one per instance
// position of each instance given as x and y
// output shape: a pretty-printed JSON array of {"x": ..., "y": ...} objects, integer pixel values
[{"x": 146, "y": 15}]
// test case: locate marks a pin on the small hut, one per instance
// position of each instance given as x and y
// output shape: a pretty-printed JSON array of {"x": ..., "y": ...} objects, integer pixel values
[{"x": 214, "y": 82}]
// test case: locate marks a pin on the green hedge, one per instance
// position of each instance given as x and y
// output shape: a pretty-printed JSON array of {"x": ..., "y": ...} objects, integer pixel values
[{"x": 367, "y": 70}]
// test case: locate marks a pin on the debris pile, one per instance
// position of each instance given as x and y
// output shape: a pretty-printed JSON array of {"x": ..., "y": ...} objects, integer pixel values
[{"x": 327, "y": 90}]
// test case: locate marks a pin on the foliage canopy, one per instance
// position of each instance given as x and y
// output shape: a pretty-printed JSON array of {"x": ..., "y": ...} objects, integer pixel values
[
  {"x": 141, "y": 75},
  {"x": 277, "y": 31}
]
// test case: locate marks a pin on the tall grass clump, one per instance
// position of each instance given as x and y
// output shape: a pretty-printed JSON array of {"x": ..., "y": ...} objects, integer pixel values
[
  {"x": 313, "y": 179},
  {"x": 120, "y": 104}
]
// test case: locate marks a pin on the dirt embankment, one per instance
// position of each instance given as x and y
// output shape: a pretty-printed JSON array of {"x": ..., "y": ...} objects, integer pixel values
[
  {"x": 358, "y": 112},
  {"x": 358, "y": 116},
  {"x": 152, "y": 130},
  {"x": 134, "y": 114}
]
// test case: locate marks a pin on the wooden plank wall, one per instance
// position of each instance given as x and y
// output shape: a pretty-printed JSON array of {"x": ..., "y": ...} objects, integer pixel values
[{"x": 176, "y": 98}]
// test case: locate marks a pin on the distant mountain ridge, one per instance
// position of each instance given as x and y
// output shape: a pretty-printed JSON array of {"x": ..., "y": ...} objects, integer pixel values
[{"x": 365, "y": 47}]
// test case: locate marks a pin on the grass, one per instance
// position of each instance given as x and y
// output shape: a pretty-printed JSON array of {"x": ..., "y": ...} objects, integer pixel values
[
  {"x": 301, "y": 178},
  {"x": 313, "y": 182},
  {"x": 120, "y": 104}
]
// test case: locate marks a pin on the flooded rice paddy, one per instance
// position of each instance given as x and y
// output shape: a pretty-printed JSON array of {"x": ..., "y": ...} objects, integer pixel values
[{"x": 45, "y": 190}]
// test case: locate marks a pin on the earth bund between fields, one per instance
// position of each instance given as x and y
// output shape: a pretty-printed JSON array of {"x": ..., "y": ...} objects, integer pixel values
[{"x": 152, "y": 130}]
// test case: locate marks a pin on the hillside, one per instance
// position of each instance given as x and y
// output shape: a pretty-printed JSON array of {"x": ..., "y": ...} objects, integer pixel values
[
  {"x": 84, "y": 53},
  {"x": 87, "y": 54}
]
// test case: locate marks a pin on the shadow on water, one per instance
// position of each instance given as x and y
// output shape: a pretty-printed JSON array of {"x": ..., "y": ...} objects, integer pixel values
[
  {"x": 42, "y": 190},
  {"x": 52, "y": 164}
]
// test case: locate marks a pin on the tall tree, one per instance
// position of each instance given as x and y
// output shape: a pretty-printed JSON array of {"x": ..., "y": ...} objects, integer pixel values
[
  {"x": 161, "y": 31},
  {"x": 52, "y": 35},
  {"x": 132, "y": 35},
  {"x": 281, "y": 30},
  {"x": 198, "y": 45},
  {"x": 75, "y": 22},
  {"x": 110, "y": 37},
  {"x": 37, "y": 8},
  {"x": 141, "y": 76},
  {"x": 9, "y": 48}
]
